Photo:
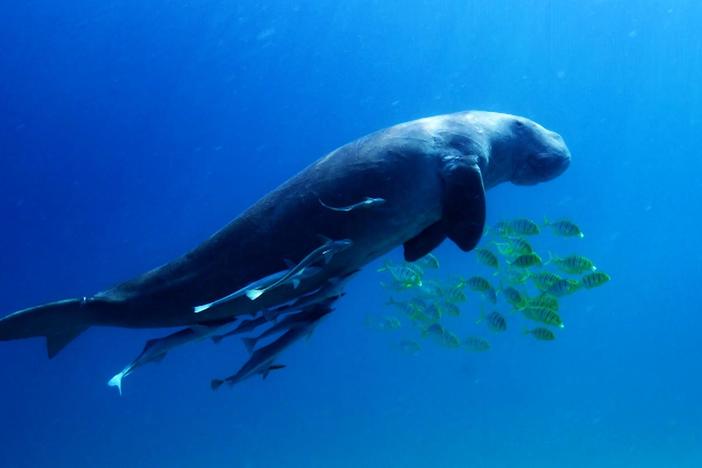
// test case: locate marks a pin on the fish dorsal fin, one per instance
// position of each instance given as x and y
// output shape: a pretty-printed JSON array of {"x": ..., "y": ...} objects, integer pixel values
[
  {"x": 150, "y": 344},
  {"x": 464, "y": 203},
  {"x": 272, "y": 367},
  {"x": 55, "y": 343}
]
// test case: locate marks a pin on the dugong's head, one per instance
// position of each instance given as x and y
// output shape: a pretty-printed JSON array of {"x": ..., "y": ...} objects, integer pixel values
[{"x": 523, "y": 152}]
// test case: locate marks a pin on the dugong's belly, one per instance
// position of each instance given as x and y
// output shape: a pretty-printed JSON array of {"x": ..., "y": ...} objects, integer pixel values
[{"x": 288, "y": 223}]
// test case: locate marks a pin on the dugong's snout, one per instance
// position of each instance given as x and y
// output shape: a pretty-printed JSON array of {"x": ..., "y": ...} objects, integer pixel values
[{"x": 549, "y": 160}]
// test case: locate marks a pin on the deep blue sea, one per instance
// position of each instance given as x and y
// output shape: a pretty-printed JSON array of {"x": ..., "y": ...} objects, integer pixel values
[{"x": 131, "y": 131}]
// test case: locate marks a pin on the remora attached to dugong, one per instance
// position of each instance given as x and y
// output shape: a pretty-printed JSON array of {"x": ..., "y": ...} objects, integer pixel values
[{"x": 431, "y": 173}]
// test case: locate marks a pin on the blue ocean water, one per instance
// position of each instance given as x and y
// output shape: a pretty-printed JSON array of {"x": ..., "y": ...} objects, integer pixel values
[{"x": 130, "y": 131}]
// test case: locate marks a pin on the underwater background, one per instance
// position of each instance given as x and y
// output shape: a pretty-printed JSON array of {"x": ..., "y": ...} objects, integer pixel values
[{"x": 130, "y": 131}]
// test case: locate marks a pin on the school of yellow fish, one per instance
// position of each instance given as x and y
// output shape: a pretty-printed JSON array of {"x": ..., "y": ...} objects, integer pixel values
[{"x": 524, "y": 289}]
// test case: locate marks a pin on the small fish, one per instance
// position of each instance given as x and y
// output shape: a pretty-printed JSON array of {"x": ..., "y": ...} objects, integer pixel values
[
  {"x": 545, "y": 300},
  {"x": 478, "y": 283},
  {"x": 395, "y": 285},
  {"x": 481, "y": 285},
  {"x": 486, "y": 257},
  {"x": 540, "y": 333},
  {"x": 365, "y": 203},
  {"x": 404, "y": 276},
  {"x": 495, "y": 321},
  {"x": 451, "y": 309},
  {"x": 524, "y": 227},
  {"x": 324, "y": 252},
  {"x": 592, "y": 280},
  {"x": 410, "y": 347},
  {"x": 514, "y": 297},
  {"x": 404, "y": 306},
  {"x": 262, "y": 361},
  {"x": 572, "y": 264},
  {"x": 455, "y": 295},
  {"x": 431, "y": 288},
  {"x": 477, "y": 344},
  {"x": 428, "y": 261},
  {"x": 564, "y": 228},
  {"x": 543, "y": 315},
  {"x": 419, "y": 316},
  {"x": 270, "y": 279},
  {"x": 155, "y": 350},
  {"x": 527, "y": 260},
  {"x": 434, "y": 311},
  {"x": 543, "y": 280},
  {"x": 450, "y": 340},
  {"x": 514, "y": 246},
  {"x": 519, "y": 276},
  {"x": 245, "y": 326},
  {"x": 331, "y": 290},
  {"x": 435, "y": 330},
  {"x": 304, "y": 318},
  {"x": 563, "y": 287}
]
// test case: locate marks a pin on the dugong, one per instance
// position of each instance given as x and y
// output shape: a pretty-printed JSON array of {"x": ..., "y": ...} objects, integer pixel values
[{"x": 414, "y": 184}]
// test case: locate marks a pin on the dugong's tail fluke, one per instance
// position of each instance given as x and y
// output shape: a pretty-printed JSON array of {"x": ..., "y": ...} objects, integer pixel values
[{"x": 60, "y": 322}]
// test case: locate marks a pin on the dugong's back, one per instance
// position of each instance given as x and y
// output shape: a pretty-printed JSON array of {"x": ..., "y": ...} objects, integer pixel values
[{"x": 287, "y": 224}]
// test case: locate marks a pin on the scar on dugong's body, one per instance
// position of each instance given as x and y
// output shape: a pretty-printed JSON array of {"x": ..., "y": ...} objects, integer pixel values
[{"x": 431, "y": 174}]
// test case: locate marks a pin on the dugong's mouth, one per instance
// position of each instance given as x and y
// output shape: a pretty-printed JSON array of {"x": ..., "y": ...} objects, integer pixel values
[
  {"x": 541, "y": 167},
  {"x": 550, "y": 165}
]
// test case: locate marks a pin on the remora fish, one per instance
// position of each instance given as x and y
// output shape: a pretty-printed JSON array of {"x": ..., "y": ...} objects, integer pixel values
[
  {"x": 262, "y": 360},
  {"x": 262, "y": 283},
  {"x": 245, "y": 326},
  {"x": 365, "y": 203},
  {"x": 324, "y": 252},
  {"x": 155, "y": 350},
  {"x": 304, "y": 318},
  {"x": 333, "y": 289}
]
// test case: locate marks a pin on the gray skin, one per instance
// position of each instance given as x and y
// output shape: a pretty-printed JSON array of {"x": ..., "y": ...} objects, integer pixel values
[{"x": 431, "y": 172}]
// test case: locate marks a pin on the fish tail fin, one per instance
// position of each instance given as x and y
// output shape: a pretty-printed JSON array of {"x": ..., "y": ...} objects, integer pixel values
[
  {"x": 215, "y": 384},
  {"x": 116, "y": 381},
  {"x": 59, "y": 322},
  {"x": 550, "y": 258},
  {"x": 254, "y": 294},
  {"x": 249, "y": 344}
]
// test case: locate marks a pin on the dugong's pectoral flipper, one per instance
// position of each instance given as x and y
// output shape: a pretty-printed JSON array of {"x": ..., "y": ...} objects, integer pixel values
[
  {"x": 425, "y": 241},
  {"x": 60, "y": 322},
  {"x": 463, "y": 217},
  {"x": 464, "y": 203}
]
